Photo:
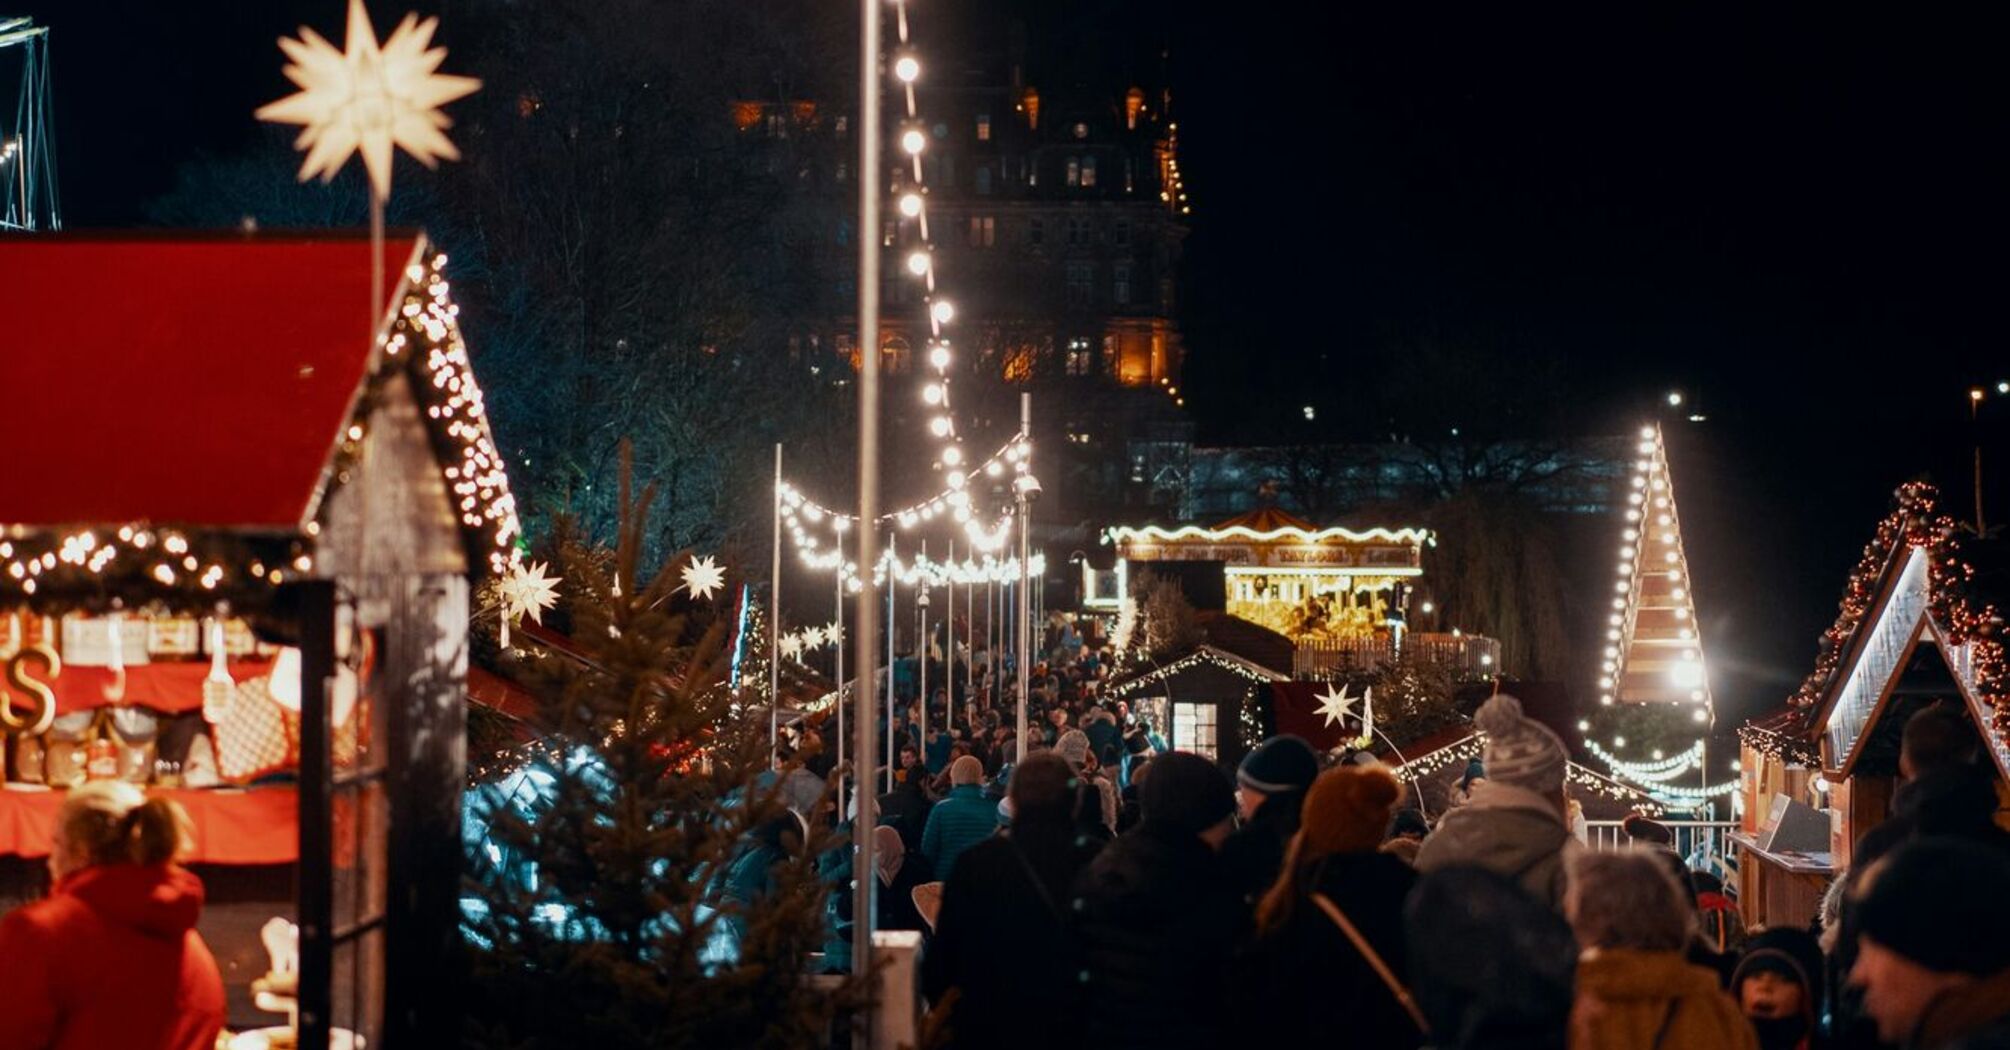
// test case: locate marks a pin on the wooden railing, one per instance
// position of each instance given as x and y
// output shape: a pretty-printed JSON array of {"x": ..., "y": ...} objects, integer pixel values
[{"x": 1466, "y": 655}]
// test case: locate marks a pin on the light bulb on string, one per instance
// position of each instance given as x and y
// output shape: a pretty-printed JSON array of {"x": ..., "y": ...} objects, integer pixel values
[
  {"x": 952, "y": 455},
  {"x": 907, "y": 68},
  {"x": 917, "y": 263},
  {"x": 939, "y": 356},
  {"x": 910, "y": 204},
  {"x": 913, "y": 141},
  {"x": 932, "y": 393},
  {"x": 939, "y": 426},
  {"x": 941, "y": 311}
]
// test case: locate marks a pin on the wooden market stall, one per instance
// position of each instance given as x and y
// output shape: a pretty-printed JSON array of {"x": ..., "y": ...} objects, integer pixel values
[
  {"x": 1211, "y": 699},
  {"x": 240, "y": 510},
  {"x": 1915, "y": 628}
]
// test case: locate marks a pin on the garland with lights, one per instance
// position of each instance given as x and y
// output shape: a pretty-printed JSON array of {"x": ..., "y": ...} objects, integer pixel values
[
  {"x": 1464, "y": 750},
  {"x": 1914, "y": 521},
  {"x": 162, "y": 567},
  {"x": 1204, "y": 655},
  {"x": 1656, "y": 773}
]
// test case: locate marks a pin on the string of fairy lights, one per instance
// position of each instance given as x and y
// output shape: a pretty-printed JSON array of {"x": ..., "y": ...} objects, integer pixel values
[
  {"x": 139, "y": 564},
  {"x": 818, "y": 530}
]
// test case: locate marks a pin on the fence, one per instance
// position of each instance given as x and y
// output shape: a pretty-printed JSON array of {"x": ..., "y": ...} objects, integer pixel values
[
  {"x": 1466, "y": 655},
  {"x": 1704, "y": 844}
]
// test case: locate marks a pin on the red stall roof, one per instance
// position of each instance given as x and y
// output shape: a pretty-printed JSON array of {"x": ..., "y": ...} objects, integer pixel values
[{"x": 187, "y": 379}]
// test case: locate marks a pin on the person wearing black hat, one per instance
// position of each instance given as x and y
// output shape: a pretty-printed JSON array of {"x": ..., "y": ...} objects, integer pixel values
[
  {"x": 1270, "y": 788},
  {"x": 1157, "y": 918},
  {"x": 1778, "y": 985},
  {"x": 1933, "y": 958}
]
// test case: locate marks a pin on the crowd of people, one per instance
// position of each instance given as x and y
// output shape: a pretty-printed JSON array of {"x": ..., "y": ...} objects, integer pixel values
[{"x": 1104, "y": 892}]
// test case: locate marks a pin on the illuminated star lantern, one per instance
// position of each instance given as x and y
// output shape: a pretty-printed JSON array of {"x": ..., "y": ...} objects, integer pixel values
[
  {"x": 526, "y": 592},
  {"x": 792, "y": 647},
  {"x": 1336, "y": 708},
  {"x": 834, "y": 634},
  {"x": 368, "y": 98},
  {"x": 702, "y": 576}
]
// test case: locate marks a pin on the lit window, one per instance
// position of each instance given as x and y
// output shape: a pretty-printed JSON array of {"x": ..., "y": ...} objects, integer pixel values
[
  {"x": 1074, "y": 171},
  {"x": 1193, "y": 728},
  {"x": 842, "y": 125},
  {"x": 983, "y": 231},
  {"x": 1081, "y": 131},
  {"x": 1120, "y": 284},
  {"x": 1088, "y": 171},
  {"x": 1081, "y": 359},
  {"x": 983, "y": 127}
]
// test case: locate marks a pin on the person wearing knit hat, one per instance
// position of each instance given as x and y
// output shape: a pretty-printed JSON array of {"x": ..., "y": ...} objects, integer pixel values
[
  {"x": 1933, "y": 958},
  {"x": 1270, "y": 787},
  {"x": 1073, "y": 747},
  {"x": 1514, "y": 825},
  {"x": 1778, "y": 984},
  {"x": 1157, "y": 921},
  {"x": 1302, "y": 970}
]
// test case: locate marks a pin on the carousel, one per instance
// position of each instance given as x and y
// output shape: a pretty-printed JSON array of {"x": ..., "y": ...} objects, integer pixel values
[{"x": 239, "y": 524}]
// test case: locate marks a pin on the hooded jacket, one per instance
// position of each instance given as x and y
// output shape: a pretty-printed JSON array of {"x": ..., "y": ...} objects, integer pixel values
[
  {"x": 1508, "y": 830},
  {"x": 955, "y": 824},
  {"x": 111, "y": 959},
  {"x": 1653, "y": 1001}
]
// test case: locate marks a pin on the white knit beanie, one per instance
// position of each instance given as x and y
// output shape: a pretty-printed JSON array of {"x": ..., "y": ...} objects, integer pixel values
[{"x": 1520, "y": 751}]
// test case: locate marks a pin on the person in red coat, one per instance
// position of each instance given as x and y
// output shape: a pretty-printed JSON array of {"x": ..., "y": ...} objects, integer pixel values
[{"x": 111, "y": 957}]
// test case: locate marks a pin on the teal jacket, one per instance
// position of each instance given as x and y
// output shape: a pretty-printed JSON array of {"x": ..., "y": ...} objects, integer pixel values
[{"x": 957, "y": 823}]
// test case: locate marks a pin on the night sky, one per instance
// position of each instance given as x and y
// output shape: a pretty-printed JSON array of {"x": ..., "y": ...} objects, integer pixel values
[{"x": 1797, "y": 218}]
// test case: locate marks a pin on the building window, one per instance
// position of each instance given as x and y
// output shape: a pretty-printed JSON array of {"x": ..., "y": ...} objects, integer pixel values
[
  {"x": 1036, "y": 232},
  {"x": 1078, "y": 232},
  {"x": 984, "y": 180},
  {"x": 948, "y": 171},
  {"x": 1081, "y": 360},
  {"x": 1120, "y": 235},
  {"x": 841, "y": 171},
  {"x": 1112, "y": 351},
  {"x": 983, "y": 231},
  {"x": 1074, "y": 171},
  {"x": 1120, "y": 284},
  {"x": 1081, "y": 283},
  {"x": 983, "y": 127},
  {"x": 1193, "y": 728},
  {"x": 1088, "y": 171},
  {"x": 1081, "y": 131}
]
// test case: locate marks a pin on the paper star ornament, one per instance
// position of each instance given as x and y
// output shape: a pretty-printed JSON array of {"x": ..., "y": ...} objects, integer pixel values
[
  {"x": 368, "y": 98},
  {"x": 526, "y": 592},
  {"x": 1334, "y": 707},
  {"x": 792, "y": 647},
  {"x": 834, "y": 634},
  {"x": 702, "y": 576}
]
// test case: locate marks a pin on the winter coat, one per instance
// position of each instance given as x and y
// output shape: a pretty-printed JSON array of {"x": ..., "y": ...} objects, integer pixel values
[
  {"x": 111, "y": 959},
  {"x": 1635, "y": 1000},
  {"x": 1254, "y": 854},
  {"x": 1294, "y": 981},
  {"x": 1509, "y": 831},
  {"x": 1973, "y": 1018},
  {"x": 1158, "y": 921},
  {"x": 1002, "y": 942},
  {"x": 958, "y": 822},
  {"x": 905, "y": 809}
]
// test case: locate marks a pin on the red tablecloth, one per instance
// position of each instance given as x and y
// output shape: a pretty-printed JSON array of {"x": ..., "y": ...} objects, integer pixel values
[
  {"x": 255, "y": 826},
  {"x": 170, "y": 687}
]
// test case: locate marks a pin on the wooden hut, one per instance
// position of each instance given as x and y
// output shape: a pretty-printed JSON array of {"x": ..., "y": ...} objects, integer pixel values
[
  {"x": 221, "y": 451},
  {"x": 1915, "y": 628}
]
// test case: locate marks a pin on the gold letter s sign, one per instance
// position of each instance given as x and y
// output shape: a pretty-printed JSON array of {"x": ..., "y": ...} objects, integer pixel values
[{"x": 42, "y": 697}]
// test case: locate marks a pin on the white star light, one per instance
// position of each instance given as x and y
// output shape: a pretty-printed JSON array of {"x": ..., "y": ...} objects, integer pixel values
[
  {"x": 1336, "y": 708},
  {"x": 528, "y": 592},
  {"x": 702, "y": 576},
  {"x": 792, "y": 647},
  {"x": 368, "y": 98},
  {"x": 834, "y": 634}
]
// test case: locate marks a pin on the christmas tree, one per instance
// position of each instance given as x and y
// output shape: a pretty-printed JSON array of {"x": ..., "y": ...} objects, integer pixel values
[{"x": 639, "y": 879}]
